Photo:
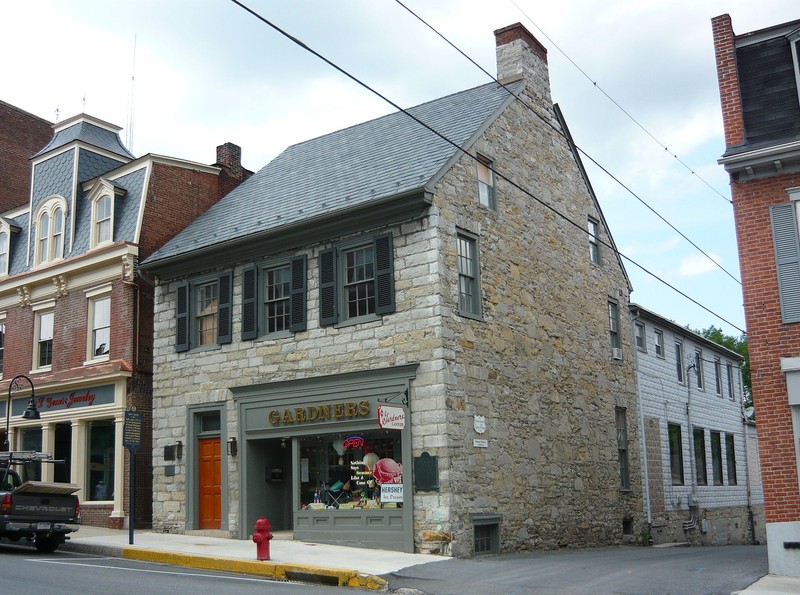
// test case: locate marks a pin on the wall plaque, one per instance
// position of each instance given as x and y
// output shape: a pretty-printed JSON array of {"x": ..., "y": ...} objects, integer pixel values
[{"x": 426, "y": 473}]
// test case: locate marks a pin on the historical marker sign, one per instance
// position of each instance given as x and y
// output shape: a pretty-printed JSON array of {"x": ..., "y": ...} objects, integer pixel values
[{"x": 132, "y": 430}]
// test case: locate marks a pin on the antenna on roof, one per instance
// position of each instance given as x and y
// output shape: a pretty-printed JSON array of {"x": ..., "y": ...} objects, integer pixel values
[
  {"x": 58, "y": 112},
  {"x": 131, "y": 97},
  {"x": 83, "y": 109}
]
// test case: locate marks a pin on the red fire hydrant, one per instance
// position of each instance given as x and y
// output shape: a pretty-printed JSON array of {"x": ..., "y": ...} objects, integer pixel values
[{"x": 261, "y": 538}]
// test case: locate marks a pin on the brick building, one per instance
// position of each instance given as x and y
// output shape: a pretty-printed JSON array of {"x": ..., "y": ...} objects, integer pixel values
[
  {"x": 380, "y": 340},
  {"x": 76, "y": 316},
  {"x": 759, "y": 82},
  {"x": 21, "y": 135},
  {"x": 702, "y": 485}
]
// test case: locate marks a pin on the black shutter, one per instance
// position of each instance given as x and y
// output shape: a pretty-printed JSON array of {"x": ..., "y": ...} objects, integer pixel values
[
  {"x": 297, "y": 302},
  {"x": 224, "y": 334},
  {"x": 384, "y": 274},
  {"x": 327, "y": 288},
  {"x": 249, "y": 303},
  {"x": 787, "y": 259},
  {"x": 182, "y": 316}
]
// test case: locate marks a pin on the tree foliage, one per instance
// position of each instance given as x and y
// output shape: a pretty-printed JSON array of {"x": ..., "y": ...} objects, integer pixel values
[{"x": 739, "y": 345}]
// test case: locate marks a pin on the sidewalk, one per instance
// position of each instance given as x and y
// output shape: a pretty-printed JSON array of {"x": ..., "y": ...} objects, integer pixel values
[
  {"x": 289, "y": 559},
  {"x": 774, "y": 584}
]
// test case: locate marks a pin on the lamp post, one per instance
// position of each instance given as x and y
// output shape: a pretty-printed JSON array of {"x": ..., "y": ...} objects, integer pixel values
[{"x": 31, "y": 412}]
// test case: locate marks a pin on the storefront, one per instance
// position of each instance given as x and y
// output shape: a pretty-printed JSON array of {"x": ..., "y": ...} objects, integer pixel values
[
  {"x": 330, "y": 458},
  {"x": 83, "y": 428}
]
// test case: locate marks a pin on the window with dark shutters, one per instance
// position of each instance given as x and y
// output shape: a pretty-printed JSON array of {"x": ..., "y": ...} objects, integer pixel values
[
  {"x": 224, "y": 334},
  {"x": 327, "y": 288},
  {"x": 298, "y": 295},
  {"x": 182, "y": 317},
  {"x": 787, "y": 259},
  {"x": 384, "y": 274},
  {"x": 249, "y": 303}
]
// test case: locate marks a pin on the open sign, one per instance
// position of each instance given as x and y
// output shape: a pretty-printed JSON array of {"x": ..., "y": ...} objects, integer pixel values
[{"x": 353, "y": 442}]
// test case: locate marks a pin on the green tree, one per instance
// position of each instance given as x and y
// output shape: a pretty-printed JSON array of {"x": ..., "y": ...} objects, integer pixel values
[{"x": 739, "y": 345}]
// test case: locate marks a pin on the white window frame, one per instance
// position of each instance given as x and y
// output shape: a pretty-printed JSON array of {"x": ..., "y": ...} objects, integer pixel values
[
  {"x": 594, "y": 244},
  {"x": 93, "y": 296},
  {"x": 698, "y": 370},
  {"x": 659, "y": 343},
  {"x": 40, "y": 310},
  {"x": 679, "y": 363},
  {"x": 614, "y": 335},
  {"x": 53, "y": 239},
  {"x": 5, "y": 249},
  {"x": 96, "y": 239},
  {"x": 487, "y": 195},
  {"x": 641, "y": 336},
  {"x": 718, "y": 376}
]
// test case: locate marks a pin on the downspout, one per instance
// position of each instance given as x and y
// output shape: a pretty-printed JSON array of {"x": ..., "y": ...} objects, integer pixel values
[
  {"x": 692, "y": 522},
  {"x": 745, "y": 422},
  {"x": 642, "y": 446}
]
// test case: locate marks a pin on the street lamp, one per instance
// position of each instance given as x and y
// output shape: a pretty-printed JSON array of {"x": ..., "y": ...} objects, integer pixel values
[{"x": 30, "y": 413}]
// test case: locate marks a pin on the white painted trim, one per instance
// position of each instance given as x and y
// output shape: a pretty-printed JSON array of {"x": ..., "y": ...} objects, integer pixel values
[{"x": 96, "y": 291}]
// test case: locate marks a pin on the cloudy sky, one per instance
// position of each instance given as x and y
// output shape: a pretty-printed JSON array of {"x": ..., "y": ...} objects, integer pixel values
[{"x": 206, "y": 72}]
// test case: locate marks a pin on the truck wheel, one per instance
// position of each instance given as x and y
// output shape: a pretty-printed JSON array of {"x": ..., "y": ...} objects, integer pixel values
[{"x": 46, "y": 544}]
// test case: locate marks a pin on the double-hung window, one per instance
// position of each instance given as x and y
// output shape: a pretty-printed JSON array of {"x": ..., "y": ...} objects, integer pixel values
[
  {"x": 274, "y": 298},
  {"x": 731, "y": 394},
  {"x": 641, "y": 339},
  {"x": 698, "y": 367},
  {"x": 701, "y": 472},
  {"x": 356, "y": 281},
  {"x": 659, "y": 334},
  {"x": 2, "y": 344},
  {"x": 43, "y": 335},
  {"x": 718, "y": 376},
  {"x": 4, "y": 247},
  {"x": 99, "y": 317},
  {"x": 203, "y": 312},
  {"x": 716, "y": 458},
  {"x": 102, "y": 219},
  {"x": 594, "y": 244},
  {"x": 486, "y": 194},
  {"x": 675, "y": 454},
  {"x": 613, "y": 330},
  {"x": 469, "y": 278},
  {"x": 679, "y": 360},
  {"x": 622, "y": 448},
  {"x": 730, "y": 455}
]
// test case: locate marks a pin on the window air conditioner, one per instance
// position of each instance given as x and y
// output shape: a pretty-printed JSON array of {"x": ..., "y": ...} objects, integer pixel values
[{"x": 616, "y": 353}]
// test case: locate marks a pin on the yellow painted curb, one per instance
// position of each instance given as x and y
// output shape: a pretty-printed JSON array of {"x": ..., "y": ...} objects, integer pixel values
[{"x": 275, "y": 570}]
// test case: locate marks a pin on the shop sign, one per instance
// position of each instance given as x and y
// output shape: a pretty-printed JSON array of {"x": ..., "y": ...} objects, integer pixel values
[
  {"x": 76, "y": 399},
  {"x": 391, "y": 418},
  {"x": 318, "y": 413},
  {"x": 391, "y": 492},
  {"x": 353, "y": 442}
]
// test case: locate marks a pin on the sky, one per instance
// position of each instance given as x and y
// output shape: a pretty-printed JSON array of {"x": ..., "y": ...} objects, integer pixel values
[{"x": 635, "y": 79}]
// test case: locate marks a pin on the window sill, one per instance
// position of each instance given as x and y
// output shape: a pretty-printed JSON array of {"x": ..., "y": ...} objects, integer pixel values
[
  {"x": 202, "y": 348},
  {"x": 42, "y": 370},
  {"x": 470, "y": 315},
  {"x": 359, "y": 320},
  {"x": 97, "y": 360},
  {"x": 274, "y": 336}
]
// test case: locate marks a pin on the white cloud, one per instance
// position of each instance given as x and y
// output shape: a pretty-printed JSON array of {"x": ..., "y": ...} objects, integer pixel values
[{"x": 697, "y": 264}]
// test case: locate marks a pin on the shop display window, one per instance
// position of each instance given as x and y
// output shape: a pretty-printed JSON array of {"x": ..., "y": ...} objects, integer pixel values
[
  {"x": 100, "y": 474},
  {"x": 32, "y": 440},
  {"x": 351, "y": 471}
]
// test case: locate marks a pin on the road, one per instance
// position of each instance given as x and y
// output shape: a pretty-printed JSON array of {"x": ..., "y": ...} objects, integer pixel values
[{"x": 634, "y": 570}]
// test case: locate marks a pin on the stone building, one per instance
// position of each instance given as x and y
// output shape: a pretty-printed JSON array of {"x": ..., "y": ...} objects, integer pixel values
[
  {"x": 701, "y": 484},
  {"x": 76, "y": 317},
  {"x": 398, "y": 338},
  {"x": 759, "y": 85}
]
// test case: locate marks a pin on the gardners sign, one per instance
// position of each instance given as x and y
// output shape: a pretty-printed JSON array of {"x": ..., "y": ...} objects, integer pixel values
[{"x": 316, "y": 413}]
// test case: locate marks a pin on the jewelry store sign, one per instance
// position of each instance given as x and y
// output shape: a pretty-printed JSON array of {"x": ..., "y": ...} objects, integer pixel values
[{"x": 76, "y": 399}]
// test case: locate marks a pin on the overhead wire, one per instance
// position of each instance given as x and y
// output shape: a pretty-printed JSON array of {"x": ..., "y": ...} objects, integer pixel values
[
  {"x": 561, "y": 132},
  {"x": 406, "y": 112}
]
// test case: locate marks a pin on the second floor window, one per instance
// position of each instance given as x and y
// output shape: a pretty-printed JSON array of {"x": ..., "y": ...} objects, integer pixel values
[
  {"x": 659, "y": 343},
  {"x": 679, "y": 361},
  {"x": 356, "y": 281},
  {"x": 641, "y": 341},
  {"x": 613, "y": 330},
  {"x": 274, "y": 298},
  {"x": 101, "y": 326},
  {"x": 718, "y": 376},
  {"x": 44, "y": 340},
  {"x": 698, "y": 367},
  {"x": 203, "y": 312},
  {"x": 469, "y": 289}
]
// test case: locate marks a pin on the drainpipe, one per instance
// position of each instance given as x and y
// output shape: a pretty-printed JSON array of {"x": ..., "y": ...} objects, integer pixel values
[
  {"x": 692, "y": 522},
  {"x": 642, "y": 445},
  {"x": 745, "y": 423}
]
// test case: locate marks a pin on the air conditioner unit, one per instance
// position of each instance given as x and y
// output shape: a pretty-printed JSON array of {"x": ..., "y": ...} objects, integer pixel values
[{"x": 616, "y": 353}]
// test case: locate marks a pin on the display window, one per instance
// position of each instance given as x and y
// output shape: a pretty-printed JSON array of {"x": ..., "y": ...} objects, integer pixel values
[{"x": 351, "y": 471}]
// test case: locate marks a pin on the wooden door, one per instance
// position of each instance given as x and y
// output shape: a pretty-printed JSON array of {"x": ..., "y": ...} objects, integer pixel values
[{"x": 210, "y": 483}]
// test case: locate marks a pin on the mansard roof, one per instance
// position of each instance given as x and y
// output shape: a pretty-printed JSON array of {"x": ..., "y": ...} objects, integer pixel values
[
  {"x": 89, "y": 130},
  {"x": 390, "y": 157}
]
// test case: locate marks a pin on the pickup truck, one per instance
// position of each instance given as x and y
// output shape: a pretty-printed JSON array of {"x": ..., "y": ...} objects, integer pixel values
[{"x": 42, "y": 512}]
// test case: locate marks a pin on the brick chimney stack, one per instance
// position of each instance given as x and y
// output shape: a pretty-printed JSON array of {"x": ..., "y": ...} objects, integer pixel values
[
  {"x": 728, "y": 76},
  {"x": 229, "y": 158},
  {"x": 520, "y": 56}
]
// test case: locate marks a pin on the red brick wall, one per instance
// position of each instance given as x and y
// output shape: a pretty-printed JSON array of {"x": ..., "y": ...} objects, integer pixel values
[
  {"x": 21, "y": 136},
  {"x": 769, "y": 340},
  {"x": 728, "y": 76}
]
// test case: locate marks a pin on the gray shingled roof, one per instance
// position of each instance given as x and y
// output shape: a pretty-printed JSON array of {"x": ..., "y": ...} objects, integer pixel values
[
  {"x": 90, "y": 134},
  {"x": 381, "y": 158}
]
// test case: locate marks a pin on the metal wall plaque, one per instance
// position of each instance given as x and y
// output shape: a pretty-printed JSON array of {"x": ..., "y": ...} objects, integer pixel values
[{"x": 426, "y": 473}]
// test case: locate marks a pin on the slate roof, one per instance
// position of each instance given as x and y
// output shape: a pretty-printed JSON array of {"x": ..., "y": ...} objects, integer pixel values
[
  {"x": 378, "y": 159},
  {"x": 90, "y": 134}
]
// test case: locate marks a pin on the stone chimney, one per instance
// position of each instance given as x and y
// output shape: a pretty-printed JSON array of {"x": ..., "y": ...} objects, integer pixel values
[
  {"x": 229, "y": 158},
  {"x": 521, "y": 57}
]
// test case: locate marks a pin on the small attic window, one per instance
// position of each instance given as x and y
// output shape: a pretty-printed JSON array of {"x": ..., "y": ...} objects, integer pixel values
[
  {"x": 794, "y": 43},
  {"x": 4, "y": 251},
  {"x": 102, "y": 220},
  {"x": 486, "y": 182}
]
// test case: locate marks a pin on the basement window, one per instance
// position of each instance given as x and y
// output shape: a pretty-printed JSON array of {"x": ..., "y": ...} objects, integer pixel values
[{"x": 486, "y": 533}]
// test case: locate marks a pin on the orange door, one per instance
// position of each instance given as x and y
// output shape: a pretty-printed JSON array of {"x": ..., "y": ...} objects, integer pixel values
[{"x": 210, "y": 483}]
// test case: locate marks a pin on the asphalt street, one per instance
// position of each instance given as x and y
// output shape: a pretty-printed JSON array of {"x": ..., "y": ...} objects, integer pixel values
[{"x": 634, "y": 570}]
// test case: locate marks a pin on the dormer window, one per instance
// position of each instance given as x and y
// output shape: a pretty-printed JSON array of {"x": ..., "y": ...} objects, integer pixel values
[
  {"x": 103, "y": 209},
  {"x": 4, "y": 244},
  {"x": 50, "y": 231}
]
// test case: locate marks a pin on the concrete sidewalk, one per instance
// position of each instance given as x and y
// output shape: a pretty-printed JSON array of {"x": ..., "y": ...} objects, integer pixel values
[
  {"x": 289, "y": 559},
  {"x": 774, "y": 584}
]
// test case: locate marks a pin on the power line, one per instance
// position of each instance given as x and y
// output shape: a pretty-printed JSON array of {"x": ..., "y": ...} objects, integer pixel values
[
  {"x": 622, "y": 109},
  {"x": 361, "y": 83},
  {"x": 561, "y": 132}
]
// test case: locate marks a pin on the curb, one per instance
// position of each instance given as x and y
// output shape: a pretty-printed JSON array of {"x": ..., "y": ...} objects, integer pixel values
[{"x": 275, "y": 570}]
